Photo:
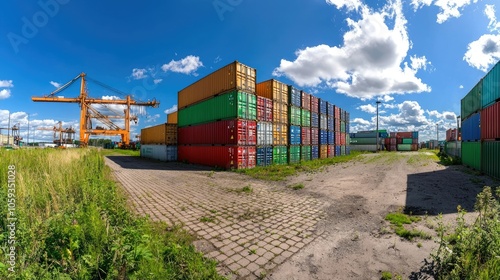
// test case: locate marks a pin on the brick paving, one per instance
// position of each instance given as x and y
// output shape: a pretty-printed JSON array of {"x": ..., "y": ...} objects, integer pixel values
[{"x": 250, "y": 233}]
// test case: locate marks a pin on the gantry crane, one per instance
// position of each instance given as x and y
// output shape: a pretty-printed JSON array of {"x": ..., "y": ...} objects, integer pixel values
[
  {"x": 66, "y": 135},
  {"x": 87, "y": 112}
]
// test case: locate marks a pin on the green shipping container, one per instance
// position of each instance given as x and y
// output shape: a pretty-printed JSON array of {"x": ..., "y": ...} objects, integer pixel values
[
  {"x": 471, "y": 103},
  {"x": 305, "y": 153},
  {"x": 491, "y": 86},
  {"x": 404, "y": 147},
  {"x": 294, "y": 115},
  {"x": 342, "y": 126},
  {"x": 362, "y": 141},
  {"x": 306, "y": 117},
  {"x": 471, "y": 154},
  {"x": 342, "y": 150},
  {"x": 490, "y": 158},
  {"x": 293, "y": 154},
  {"x": 407, "y": 141},
  {"x": 280, "y": 155},
  {"x": 232, "y": 105}
]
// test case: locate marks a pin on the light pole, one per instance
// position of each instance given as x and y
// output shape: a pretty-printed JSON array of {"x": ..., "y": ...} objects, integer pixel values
[
  {"x": 437, "y": 135},
  {"x": 378, "y": 102}
]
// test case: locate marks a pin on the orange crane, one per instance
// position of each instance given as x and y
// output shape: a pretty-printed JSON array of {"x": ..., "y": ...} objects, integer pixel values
[
  {"x": 66, "y": 135},
  {"x": 87, "y": 112}
]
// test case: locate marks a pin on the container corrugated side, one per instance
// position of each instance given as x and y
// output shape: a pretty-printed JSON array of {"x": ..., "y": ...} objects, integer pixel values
[
  {"x": 264, "y": 133},
  {"x": 314, "y": 136},
  {"x": 159, "y": 152},
  {"x": 471, "y": 128},
  {"x": 295, "y": 115},
  {"x": 234, "y": 76},
  {"x": 331, "y": 151},
  {"x": 343, "y": 139},
  {"x": 323, "y": 137},
  {"x": 407, "y": 141},
  {"x": 306, "y": 100},
  {"x": 232, "y": 132},
  {"x": 342, "y": 150},
  {"x": 294, "y": 133},
  {"x": 228, "y": 157},
  {"x": 305, "y": 136},
  {"x": 280, "y": 112},
  {"x": 323, "y": 151},
  {"x": 264, "y": 109},
  {"x": 336, "y": 112},
  {"x": 364, "y": 147},
  {"x": 342, "y": 126},
  {"x": 363, "y": 141},
  {"x": 323, "y": 123},
  {"x": 490, "y": 158},
  {"x": 491, "y": 87},
  {"x": 232, "y": 105},
  {"x": 293, "y": 153},
  {"x": 305, "y": 116},
  {"x": 337, "y": 125},
  {"x": 314, "y": 104},
  {"x": 305, "y": 153},
  {"x": 323, "y": 107},
  {"x": 162, "y": 134},
  {"x": 337, "y": 138},
  {"x": 280, "y": 134},
  {"x": 264, "y": 155},
  {"x": 471, "y": 103},
  {"x": 314, "y": 119},
  {"x": 273, "y": 89},
  {"x": 280, "y": 155},
  {"x": 330, "y": 111},
  {"x": 172, "y": 118},
  {"x": 404, "y": 147},
  {"x": 490, "y": 121},
  {"x": 330, "y": 123},
  {"x": 471, "y": 154},
  {"x": 331, "y": 137},
  {"x": 294, "y": 97},
  {"x": 337, "y": 150},
  {"x": 314, "y": 152}
]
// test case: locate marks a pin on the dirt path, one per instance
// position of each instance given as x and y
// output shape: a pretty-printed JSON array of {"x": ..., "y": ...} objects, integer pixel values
[{"x": 334, "y": 228}]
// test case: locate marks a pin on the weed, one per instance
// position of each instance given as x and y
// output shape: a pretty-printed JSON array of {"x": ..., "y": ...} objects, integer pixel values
[
  {"x": 213, "y": 211},
  {"x": 419, "y": 245},
  {"x": 253, "y": 251},
  {"x": 247, "y": 189},
  {"x": 262, "y": 275},
  {"x": 386, "y": 275},
  {"x": 210, "y": 174},
  {"x": 297, "y": 186},
  {"x": 398, "y": 219}
]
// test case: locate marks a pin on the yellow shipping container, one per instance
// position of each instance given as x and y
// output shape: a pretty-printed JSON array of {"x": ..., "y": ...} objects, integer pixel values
[
  {"x": 162, "y": 134},
  {"x": 323, "y": 151},
  {"x": 280, "y": 112},
  {"x": 280, "y": 134},
  {"x": 230, "y": 77},
  {"x": 172, "y": 117},
  {"x": 272, "y": 89}
]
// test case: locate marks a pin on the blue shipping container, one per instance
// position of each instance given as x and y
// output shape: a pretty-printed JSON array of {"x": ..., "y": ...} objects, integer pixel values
[
  {"x": 471, "y": 128},
  {"x": 330, "y": 109},
  {"x": 323, "y": 137},
  {"x": 347, "y": 150},
  {"x": 337, "y": 150},
  {"x": 314, "y": 152},
  {"x": 347, "y": 127},
  {"x": 294, "y": 96},
  {"x": 294, "y": 135},
  {"x": 330, "y": 125},
  {"x": 331, "y": 138},
  {"x": 323, "y": 107},
  {"x": 414, "y": 135},
  {"x": 264, "y": 155},
  {"x": 314, "y": 119}
]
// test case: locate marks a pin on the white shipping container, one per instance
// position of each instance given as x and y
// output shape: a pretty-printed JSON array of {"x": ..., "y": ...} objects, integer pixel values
[
  {"x": 323, "y": 123},
  {"x": 371, "y": 148},
  {"x": 264, "y": 133},
  {"x": 159, "y": 152}
]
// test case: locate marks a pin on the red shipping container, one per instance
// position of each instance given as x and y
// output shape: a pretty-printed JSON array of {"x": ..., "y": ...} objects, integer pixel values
[
  {"x": 399, "y": 140},
  {"x": 232, "y": 132},
  {"x": 392, "y": 148},
  {"x": 228, "y": 157},
  {"x": 394, "y": 141},
  {"x": 314, "y": 136},
  {"x": 342, "y": 139},
  {"x": 387, "y": 141},
  {"x": 337, "y": 138},
  {"x": 490, "y": 122},
  {"x": 264, "y": 109},
  {"x": 306, "y": 100},
  {"x": 337, "y": 124},
  {"x": 314, "y": 104},
  {"x": 305, "y": 135},
  {"x": 331, "y": 151},
  {"x": 414, "y": 147},
  {"x": 404, "y": 135},
  {"x": 337, "y": 112},
  {"x": 393, "y": 134}
]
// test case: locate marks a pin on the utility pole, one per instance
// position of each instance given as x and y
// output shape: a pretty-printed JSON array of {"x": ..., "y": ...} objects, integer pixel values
[
  {"x": 378, "y": 102},
  {"x": 8, "y": 132},
  {"x": 437, "y": 135}
]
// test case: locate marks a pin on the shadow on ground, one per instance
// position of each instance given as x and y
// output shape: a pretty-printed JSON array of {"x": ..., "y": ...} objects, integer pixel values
[{"x": 130, "y": 162}]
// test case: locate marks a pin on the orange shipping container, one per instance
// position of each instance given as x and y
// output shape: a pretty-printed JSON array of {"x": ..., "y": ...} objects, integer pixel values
[
  {"x": 272, "y": 89},
  {"x": 280, "y": 134},
  {"x": 323, "y": 151},
  {"x": 172, "y": 118},
  {"x": 280, "y": 112},
  {"x": 163, "y": 134},
  {"x": 230, "y": 77}
]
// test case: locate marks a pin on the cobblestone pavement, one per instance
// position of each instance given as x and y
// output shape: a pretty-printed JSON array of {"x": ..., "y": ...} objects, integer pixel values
[{"x": 248, "y": 232}]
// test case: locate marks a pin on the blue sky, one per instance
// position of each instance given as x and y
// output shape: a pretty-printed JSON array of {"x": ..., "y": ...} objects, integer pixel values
[{"x": 418, "y": 57}]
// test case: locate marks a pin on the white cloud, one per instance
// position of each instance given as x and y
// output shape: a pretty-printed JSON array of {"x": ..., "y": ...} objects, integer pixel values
[
  {"x": 152, "y": 118},
  {"x": 360, "y": 121},
  {"x": 55, "y": 84},
  {"x": 493, "y": 25},
  {"x": 349, "y": 4},
  {"x": 483, "y": 52},
  {"x": 390, "y": 105},
  {"x": 187, "y": 65},
  {"x": 387, "y": 98},
  {"x": 157, "y": 81},
  {"x": 448, "y": 8},
  {"x": 4, "y": 93},
  {"x": 370, "y": 63},
  {"x": 138, "y": 73},
  {"x": 6, "y": 83},
  {"x": 171, "y": 110},
  {"x": 461, "y": 87},
  {"x": 368, "y": 108}
]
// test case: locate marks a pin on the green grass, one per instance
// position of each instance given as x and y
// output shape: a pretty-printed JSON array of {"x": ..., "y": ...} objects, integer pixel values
[
  {"x": 280, "y": 172},
  {"x": 398, "y": 219},
  {"x": 297, "y": 186},
  {"x": 386, "y": 275},
  {"x": 73, "y": 223},
  {"x": 114, "y": 152},
  {"x": 447, "y": 160}
]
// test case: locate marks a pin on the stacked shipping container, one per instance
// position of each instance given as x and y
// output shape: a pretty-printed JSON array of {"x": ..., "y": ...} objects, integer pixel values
[{"x": 159, "y": 142}]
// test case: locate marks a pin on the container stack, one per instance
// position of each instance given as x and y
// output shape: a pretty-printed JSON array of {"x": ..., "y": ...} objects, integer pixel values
[
  {"x": 330, "y": 116},
  {"x": 323, "y": 129},
  {"x": 407, "y": 141},
  {"x": 453, "y": 144},
  {"x": 264, "y": 131},
  {"x": 159, "y": 142},
  {"x": 278, "y": 93},
  {"x": 305, "y": 118},
  {"x": 367, "y": 140},
  {"x": 480, "y": 113},
  {"x": 172, "y": 118},
  {"x": 295, "y": 125},
  {"x": 217, "y": 119},
  {"x": 315, "y": 133}
]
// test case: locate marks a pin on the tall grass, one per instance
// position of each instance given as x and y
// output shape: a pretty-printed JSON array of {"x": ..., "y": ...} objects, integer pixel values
[{"x": 73, "y": 223}]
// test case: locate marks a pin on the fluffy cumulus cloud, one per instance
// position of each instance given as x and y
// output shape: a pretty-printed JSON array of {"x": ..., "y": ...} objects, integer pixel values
[
  {"x": 371, "y": 61},
  {"x": 447, "y": 8},
  {"x": 187, "y": 65},
  {"x": 139, "y": 73},
  {"x": 368, "y": 108},
  {"x": 461, "y": 87},
  {"x": 55, "y": 84},
  {"x": 5, "y": 86},
  {"x": 171, "y": 109},
  {"x": 157, "y": 81},
  {"x": 4, "y": 93},
  {"x": 360, "y": 121},
  {"x": 152, "y": 118},
  {"x": 489, "y": 11}
]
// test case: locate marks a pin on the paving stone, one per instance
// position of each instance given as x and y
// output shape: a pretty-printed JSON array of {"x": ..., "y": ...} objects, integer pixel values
[
  {"x": 284, "y": 246},
  {"x": 276, "y": 250},
  {"x": 243, "y": 262}
]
